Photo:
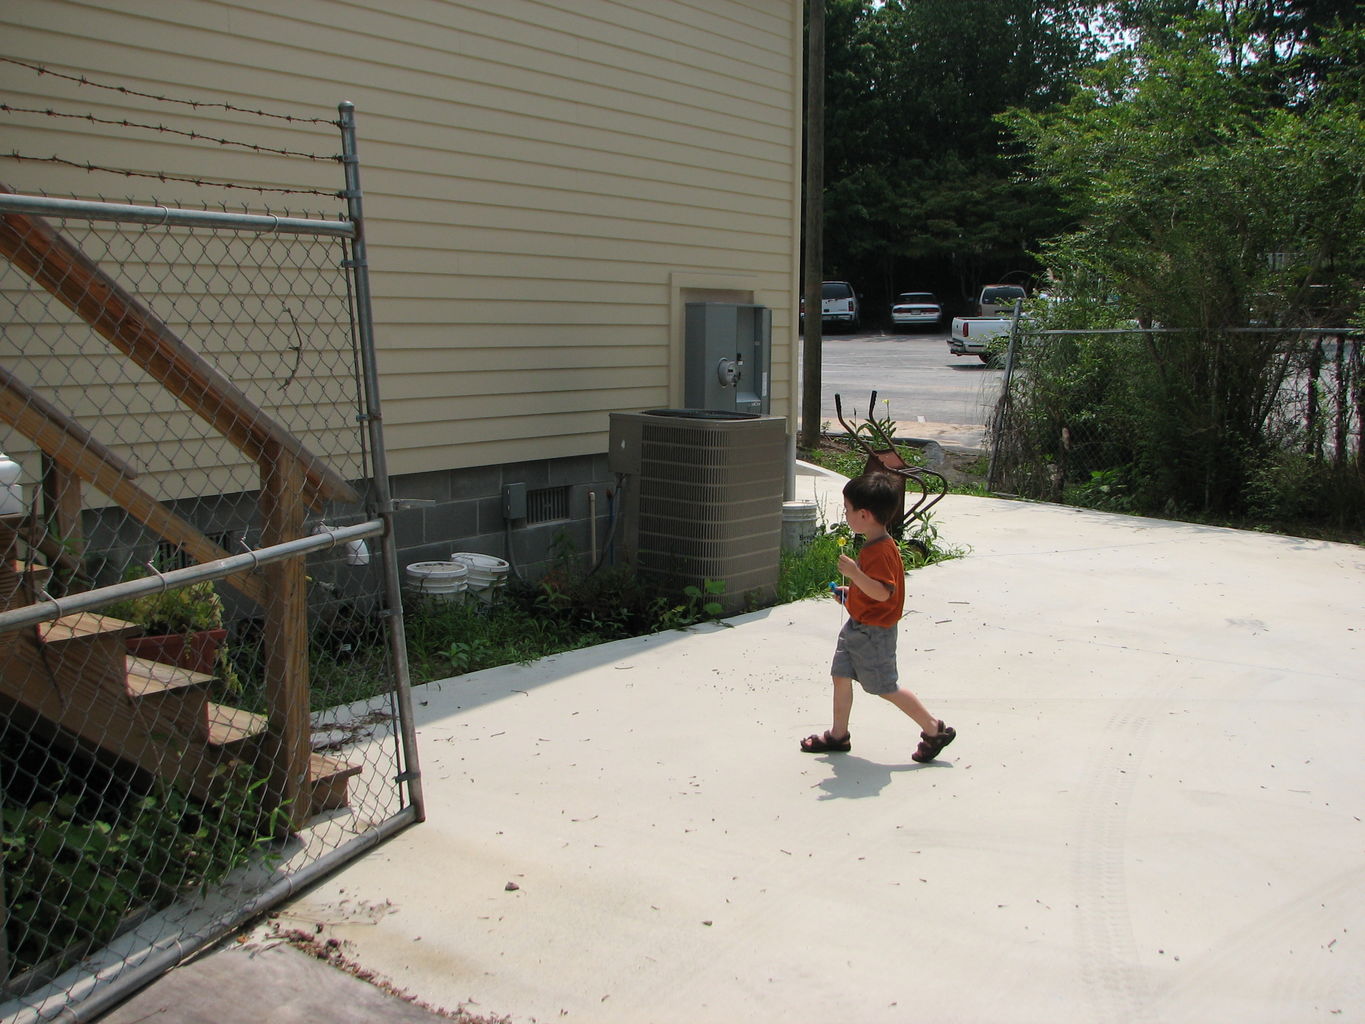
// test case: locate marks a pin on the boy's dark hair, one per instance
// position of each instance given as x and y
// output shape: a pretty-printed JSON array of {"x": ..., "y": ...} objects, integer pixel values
[{"x": 878, "y": 493}]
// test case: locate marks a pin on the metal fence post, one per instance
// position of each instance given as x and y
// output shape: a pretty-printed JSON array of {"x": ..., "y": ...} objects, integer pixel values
[
  {"x": 360, "y": 273},
  {"x": 1000, "y": 420}
]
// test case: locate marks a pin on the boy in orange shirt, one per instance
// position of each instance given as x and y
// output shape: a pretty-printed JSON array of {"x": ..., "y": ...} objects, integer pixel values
[{"x": 875, "y": 599}]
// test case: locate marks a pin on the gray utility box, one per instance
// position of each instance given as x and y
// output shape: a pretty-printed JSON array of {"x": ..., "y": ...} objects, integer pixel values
[
  {"x": 703, "y": 499},
  {"x": 726, "y": 358}
]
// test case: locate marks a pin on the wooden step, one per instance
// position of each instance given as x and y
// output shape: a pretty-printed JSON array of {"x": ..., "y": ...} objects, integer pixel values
[
  {"x": 11, "y": 528},
  {"x": 11, "y": 583},
  {"x": 174, "y": 696},
  {"x": 147, "y": 678},
  {"x": 21, "y": 582},
  {"x": 327, "y": 778},
  {"x": 35, "y": 570},
  {"x": 86, "y": 654},
  {"x": 82, "y": 687},
  {"x": 85, "y": 626},
  {"x": 88, "y": 643},
  {"x": 233, "y": 728}
]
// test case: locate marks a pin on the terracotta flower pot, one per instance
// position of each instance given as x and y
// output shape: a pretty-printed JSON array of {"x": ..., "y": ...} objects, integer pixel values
[{"x": 197, "y": 652}]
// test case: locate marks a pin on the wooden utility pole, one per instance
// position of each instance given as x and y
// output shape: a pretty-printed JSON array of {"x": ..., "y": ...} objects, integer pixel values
[{"x": 814, "y": 233}]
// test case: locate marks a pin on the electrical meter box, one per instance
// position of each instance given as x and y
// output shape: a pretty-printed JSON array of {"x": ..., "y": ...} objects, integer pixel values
[{"x": 726, "y": 357}]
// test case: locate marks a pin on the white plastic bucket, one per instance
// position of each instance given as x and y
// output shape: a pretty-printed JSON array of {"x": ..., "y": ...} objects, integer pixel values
[
  {"x": 443, "y": 580},
  {"x": 799, "y": 523},
  {"x": 11, "y": 494},
  {"x": 487, "y": 573}
]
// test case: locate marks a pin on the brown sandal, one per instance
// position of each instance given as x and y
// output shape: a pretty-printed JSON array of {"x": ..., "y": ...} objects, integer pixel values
[
  {"x": 826, "y": 744},
  {"x": 930, "y": 746}
]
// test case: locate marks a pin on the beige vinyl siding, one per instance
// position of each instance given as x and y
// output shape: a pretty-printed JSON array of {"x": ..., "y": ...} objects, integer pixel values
[
  {"x": 542, "y": 180},
  {"x": 246, "y": 325}
]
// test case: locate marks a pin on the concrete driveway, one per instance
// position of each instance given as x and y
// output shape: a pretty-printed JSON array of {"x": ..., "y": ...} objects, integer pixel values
[{"x": 1153, "y": 811}]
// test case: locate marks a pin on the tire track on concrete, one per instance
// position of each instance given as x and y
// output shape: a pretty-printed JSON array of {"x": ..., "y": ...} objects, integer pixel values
[
  {"x": 1109, "y": 967},
  {"x": 1297, "y": 961}
]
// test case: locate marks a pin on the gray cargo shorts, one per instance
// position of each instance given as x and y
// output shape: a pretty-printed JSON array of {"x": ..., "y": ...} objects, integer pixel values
[{"x": 867, "y": 654}]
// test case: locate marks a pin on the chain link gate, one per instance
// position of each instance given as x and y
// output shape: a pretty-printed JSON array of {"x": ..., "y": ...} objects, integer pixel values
[{"x": 203, "y": 679}]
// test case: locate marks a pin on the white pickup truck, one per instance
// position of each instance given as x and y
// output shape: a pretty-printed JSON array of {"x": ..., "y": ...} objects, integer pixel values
[{"x": 972, "y": 335}]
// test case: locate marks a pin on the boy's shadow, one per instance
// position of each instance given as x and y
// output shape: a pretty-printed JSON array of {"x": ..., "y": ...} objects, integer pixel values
[{"x": 857, "y": 777}]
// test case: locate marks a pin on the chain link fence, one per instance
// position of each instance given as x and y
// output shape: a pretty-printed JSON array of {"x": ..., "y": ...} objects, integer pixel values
[
  {"x": 203, "y": 696},
  {"x": 1260, "y": 421}
]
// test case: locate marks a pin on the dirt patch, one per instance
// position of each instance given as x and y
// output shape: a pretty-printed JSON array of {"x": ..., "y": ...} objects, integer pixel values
[{"x": 332, "y": 951}]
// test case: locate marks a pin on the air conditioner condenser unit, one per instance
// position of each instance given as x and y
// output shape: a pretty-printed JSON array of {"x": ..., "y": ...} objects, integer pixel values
[{"x": 703, "y": 499}]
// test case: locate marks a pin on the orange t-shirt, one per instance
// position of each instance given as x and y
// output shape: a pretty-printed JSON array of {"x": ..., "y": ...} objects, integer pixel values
[{"x": 881, "y": 559}]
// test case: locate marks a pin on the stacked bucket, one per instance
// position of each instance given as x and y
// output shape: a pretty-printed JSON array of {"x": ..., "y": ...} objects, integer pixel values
[
  {"x": 486, "y": 574},
  {"x": 440, "y": 581},
  {"x": 466, "y": 572}
]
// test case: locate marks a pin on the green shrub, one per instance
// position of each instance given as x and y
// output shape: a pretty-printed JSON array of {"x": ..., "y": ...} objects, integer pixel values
[
  {"x": 80, "y": 858},
  {"x": 176, "y": 611},
  {"x": 1287, "y": 485},
  {"x": 808, "y": 571}
]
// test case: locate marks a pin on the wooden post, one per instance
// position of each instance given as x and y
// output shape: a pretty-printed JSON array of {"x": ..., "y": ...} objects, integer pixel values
[
  {"x": 62, "y": 517},
  {"x": 62, "y": 504},
  {"x": 4, "y": 910},
  {"x": 289, "y": 733},
  {"x": 7, "y": 545}
]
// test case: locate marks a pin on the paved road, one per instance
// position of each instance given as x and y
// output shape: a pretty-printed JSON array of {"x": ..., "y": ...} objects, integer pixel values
[{"x": 919, "y": 383}]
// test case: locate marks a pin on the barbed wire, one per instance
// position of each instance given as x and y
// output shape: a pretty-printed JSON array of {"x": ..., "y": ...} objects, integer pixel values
[
  {"x": 164, "y": 177},
  {"x": 206, "y": 205},
  {"x": 193, "y": 104},
  {"x": 197, "y": 136}
]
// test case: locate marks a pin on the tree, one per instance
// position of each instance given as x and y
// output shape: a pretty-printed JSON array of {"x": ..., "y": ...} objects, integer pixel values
[
  {"x": 1209, "y": 196},
  {"x": 1279, "y": 40},
  {"x": 922, "y": 182}
]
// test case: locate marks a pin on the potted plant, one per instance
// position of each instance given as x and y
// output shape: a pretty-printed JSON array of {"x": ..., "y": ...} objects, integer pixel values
[{"x": 184, "y": 627}]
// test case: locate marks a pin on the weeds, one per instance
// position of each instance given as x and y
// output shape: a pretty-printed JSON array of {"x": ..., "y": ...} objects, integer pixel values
[
  {"x": 965, "y": 473},
  {"x": 79, "y": 859},
  {"x": 564, "y": 611}
]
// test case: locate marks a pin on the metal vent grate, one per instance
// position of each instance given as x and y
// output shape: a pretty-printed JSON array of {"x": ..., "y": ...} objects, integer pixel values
[
  {"x": 547, "y": 504},
  {"x": 170, "y": 555}
]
